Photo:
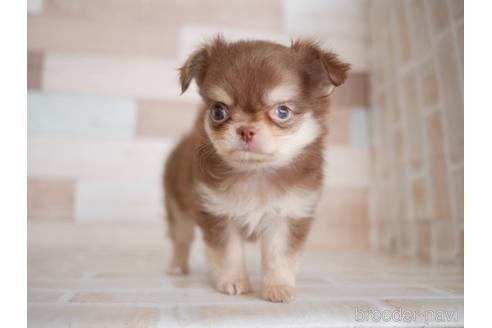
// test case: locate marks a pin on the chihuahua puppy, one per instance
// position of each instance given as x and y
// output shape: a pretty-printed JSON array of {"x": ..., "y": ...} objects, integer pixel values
[{"x": 252, "y": 168}]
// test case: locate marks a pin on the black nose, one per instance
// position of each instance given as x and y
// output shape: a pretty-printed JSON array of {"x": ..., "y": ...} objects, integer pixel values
[{"x": 246, "y": 133}]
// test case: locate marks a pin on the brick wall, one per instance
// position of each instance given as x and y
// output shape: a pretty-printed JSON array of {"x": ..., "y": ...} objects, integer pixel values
[{"x": 416, "y": 96}]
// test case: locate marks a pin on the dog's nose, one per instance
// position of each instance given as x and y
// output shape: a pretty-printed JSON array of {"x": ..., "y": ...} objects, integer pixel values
[{"x": 246, "y": 133}]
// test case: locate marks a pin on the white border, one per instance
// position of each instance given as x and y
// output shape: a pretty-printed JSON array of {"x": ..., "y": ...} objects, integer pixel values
[
  {"x": 13, "y": 163},
  {"x": 478, "y": 137}
]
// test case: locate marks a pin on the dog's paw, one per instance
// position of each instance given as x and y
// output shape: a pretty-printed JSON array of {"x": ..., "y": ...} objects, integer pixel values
[
  {"x": 278, "y": 293},
  {"x": 175, "y": 269},
  {"x": 234, "y": 287}
]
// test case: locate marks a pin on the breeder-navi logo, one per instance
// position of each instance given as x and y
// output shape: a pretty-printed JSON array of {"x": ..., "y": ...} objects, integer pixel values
[{"x": 401, "y": 315}]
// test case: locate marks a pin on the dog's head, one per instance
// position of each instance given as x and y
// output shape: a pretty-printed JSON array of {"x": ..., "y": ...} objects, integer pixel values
[{"x": 265, "y": 102}]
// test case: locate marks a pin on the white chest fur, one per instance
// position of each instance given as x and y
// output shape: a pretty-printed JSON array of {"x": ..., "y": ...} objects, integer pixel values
[{"x": 253, "y": 204}]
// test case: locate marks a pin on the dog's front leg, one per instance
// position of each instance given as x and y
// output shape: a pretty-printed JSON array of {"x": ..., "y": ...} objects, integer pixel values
[
  {"x": 281, "y": 244},
  {"x": 225, "y": 256}
]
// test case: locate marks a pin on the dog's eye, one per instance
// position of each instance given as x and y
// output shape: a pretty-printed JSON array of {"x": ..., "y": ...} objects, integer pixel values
[
  {"x": 281, "y": 113},
  {"x": 219, "y": 113}
]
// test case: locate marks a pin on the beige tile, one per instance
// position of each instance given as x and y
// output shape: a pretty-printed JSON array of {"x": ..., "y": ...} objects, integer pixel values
[
  {"x": 427, "y": 81},
  {"x": 441, "y": 206},
  {"x": 346, "y": 167},
  {"x": 75, "y": 34},
  {"x": 337, "y": 237},
  {"x": 249, "y": 14},
  {"x": 419, "y": 27},
  {"x": 451, "y": 91},
  {"x": 435, "y": 135},
  {"x": 400, "y": 196},
  {"x": 50, "y": 200},
  {"x": 117, "y": 76},
  {"x": 441, "y": 203},
  {"x": 348, "y": 19},
  {"x": 444, "y": 241},
  {"x": 414, "y": 122},
  {"x": 363, "y": 292},
  {"x": 402, "y": 278},
  {"x": 43, "y": 296},
  {"x": 92, "y": 316},
  {"x": 60, "y": 157},
  {"x": 390, "y": 54},
  {"x": 461, "y": 245},
  {"x": 377, "y": 119},
  {"x": 325, "y": 313},
  {"x": 139, "y": 199},
  {"x": 34, "y": 70},
  {"x": 209, "y": 295},
  {"x": 460, "y": 42},
  {"x": 403, "y": 36},
  {"x": 439, "y": 15},
  {"x": 457, "y": 289},
  {"x": 114, "y": 76},
  {"x": 388, "y": 232},
  {"x": 344, "y": 206},
  {"x": 376, "y": 162},
  {"x": 72, "y": 237},
  {"x": 354, "y": 92},
  {"x": 339, "y": 126},
  {"x": 423, "y": 241},
  {"x": 420, "y": 199},
  {"x": 458, "y": 186},
  {"x": 399, "y": 149},
  {"x": 406, "y": 237},
  {"x": 457, "y": 8},
  {"x": 165, "y": 118},
  {"x": 393, "y": 106},
  {"x": 166, "y": 297}
]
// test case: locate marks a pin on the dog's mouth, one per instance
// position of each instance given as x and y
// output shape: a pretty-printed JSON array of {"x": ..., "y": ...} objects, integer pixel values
[
  {"x": 249, "y": 159},
  {"x": 250, "y": 155}
]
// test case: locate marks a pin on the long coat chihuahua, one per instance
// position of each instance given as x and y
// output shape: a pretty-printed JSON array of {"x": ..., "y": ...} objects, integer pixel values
[{"x": 251, "y": 169}]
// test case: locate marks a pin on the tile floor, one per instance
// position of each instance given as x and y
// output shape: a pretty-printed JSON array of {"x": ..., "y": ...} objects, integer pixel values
[{"x": 107, "y": 276}]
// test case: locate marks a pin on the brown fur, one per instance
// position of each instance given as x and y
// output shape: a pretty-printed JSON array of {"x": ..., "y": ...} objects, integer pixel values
[{"x": 245, "y": 70}]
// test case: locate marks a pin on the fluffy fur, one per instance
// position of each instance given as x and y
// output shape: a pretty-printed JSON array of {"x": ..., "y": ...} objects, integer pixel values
[{"x": 262, "y": 184}]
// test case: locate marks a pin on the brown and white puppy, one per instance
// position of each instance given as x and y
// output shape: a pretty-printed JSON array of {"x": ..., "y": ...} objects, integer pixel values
[{"x": 252, "y": 167}]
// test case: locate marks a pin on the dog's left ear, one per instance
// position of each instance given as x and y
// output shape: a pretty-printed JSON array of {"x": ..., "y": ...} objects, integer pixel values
[
  {"x": 321, "y": 64},
  {"x": 196, "y": 65}
]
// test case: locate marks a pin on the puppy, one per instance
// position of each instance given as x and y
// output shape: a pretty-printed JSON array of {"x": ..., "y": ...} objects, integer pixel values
[{"x": 251, "y": 169}]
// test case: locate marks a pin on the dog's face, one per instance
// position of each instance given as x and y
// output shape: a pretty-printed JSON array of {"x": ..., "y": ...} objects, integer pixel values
[{"x": 265, "y": 102}]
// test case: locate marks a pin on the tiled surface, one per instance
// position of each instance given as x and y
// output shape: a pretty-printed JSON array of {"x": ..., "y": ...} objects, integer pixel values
[
  {"x": 50, "y": 199},
  {"x": 346, "y": 166},
  {"x": 80, "y": 116},
  {"x": 353, "y": 50},
  {"x": 119, "y": 282},
  {"x": 165, "y": 118},
  {"x": 119, "y": 199},
  {"x": 34, "y": 70},
  {"x": 352, "y": 93},
  {"x": 54, "y": 157},
  {"x": 417, "y": 136},
  {"x": 112, "y": 76}
]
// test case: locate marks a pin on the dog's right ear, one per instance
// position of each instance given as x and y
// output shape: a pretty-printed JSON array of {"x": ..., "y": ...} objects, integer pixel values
[{"x": 195, "y": 66}]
